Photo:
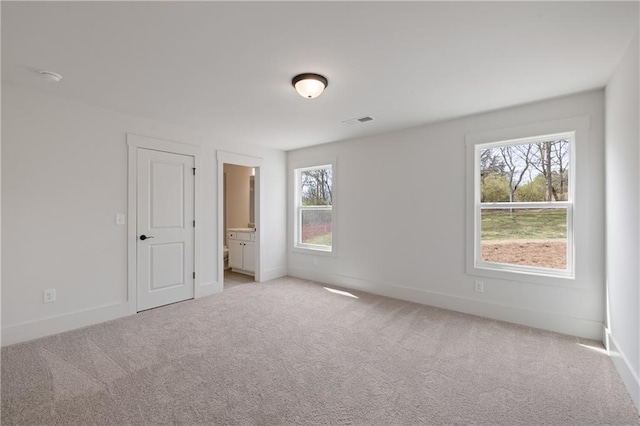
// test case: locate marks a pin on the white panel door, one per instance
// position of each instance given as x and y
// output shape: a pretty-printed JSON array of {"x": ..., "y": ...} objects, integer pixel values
[{"x": 165, "y": 206}]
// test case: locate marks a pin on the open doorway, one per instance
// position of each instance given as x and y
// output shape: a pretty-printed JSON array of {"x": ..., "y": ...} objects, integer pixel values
[{"x": 239, "y": 225}]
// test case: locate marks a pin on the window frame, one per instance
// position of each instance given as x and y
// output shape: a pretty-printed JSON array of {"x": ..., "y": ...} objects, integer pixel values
[
  {"x": 479, "y": 206},
  {"x": 578, "y": 194},
  {"x": 298, "y": 208}
]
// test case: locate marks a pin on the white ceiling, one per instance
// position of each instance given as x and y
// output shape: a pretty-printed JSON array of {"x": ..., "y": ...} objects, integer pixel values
[{"x": 227, "y": 67}]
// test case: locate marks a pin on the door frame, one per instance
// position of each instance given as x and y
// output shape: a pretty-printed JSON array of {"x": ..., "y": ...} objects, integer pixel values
[
  {"x": 223, "y": 158},
  {"x": 135, "y": 142}
]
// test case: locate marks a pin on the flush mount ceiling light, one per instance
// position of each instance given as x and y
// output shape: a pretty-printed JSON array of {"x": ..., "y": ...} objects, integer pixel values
[
  {"x": 309, "y": 85},
  {"x": 50, "y": 76}
]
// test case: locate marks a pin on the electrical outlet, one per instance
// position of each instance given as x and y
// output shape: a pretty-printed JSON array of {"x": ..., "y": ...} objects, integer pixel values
[
  {"x": 119, "y": 219},
  {"x": 315, "y": 261},
  {"x": 50, "y": 295},
  {"x": 479, "y": 286}
]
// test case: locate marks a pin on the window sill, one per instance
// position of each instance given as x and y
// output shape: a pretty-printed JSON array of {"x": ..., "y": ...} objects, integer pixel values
[
  {"x": 523, "y": 276},
  {"x": 314, "y": 251}
]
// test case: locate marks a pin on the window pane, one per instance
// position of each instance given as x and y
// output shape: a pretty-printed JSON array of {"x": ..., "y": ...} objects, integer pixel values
[
  {"x": 529, "y": 172},
  {"x": 316, "y": 187},
  {"x": 316, "y": 227},
  {"x": 531, "y": 237}
]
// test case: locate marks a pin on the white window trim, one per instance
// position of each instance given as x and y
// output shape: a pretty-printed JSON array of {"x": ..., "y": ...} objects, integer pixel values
[
  {"x": 579, "y": 126},
  {"x": 297, "y": 210}
]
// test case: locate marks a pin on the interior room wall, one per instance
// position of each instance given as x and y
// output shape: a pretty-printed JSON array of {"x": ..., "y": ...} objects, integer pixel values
[
  {"x": 623, "y": 219},
  {"x": 237, "y": 203},
  {"x": 64, "y": 178},
  {"x": 400, "y": 202}
]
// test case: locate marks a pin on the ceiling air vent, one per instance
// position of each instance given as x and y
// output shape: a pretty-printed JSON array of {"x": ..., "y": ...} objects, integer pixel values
[{"x": 358, "y": 120}]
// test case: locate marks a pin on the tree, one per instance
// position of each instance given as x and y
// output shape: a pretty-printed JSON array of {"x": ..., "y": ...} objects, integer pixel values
[
  {"x": 516, "y": 161},
  {"x": 316, "y": 187},
  {"x": 494, "y": 189},
  {"x": 530, "y": 165},
  {"x": 551, "y": 159},
  {"x": 532, "y": 191},
  {"x": 561, "y": 154},
  {"x": 490, "y": 163}
]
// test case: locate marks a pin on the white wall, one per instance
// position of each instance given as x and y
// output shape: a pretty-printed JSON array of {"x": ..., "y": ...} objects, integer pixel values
[
  {"x": 237, "y": 202},
  {"x": 400, "y": 207},
  {"x": 64, "y": 177},
  {"x": 623, "y": 219}
]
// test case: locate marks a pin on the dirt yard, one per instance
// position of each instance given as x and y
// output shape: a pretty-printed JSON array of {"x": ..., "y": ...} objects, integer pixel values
[
  {"x": 541, "y": 253},
  {"x": 309, "y": 232}
]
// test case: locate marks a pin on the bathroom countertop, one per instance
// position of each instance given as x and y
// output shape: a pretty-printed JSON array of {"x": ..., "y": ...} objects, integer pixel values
[{"x": 241, "y": 229}]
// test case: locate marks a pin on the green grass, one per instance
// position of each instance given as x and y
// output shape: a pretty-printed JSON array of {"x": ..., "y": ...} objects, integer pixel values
[
  {"x": 323, "y": 240},
  {"x": 539, "y": 225}
]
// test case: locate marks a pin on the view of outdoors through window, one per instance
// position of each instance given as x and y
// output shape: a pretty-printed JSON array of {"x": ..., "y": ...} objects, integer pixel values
[
  {"x": 315, "y": 206},
  {"x": 524, "y": 203}
]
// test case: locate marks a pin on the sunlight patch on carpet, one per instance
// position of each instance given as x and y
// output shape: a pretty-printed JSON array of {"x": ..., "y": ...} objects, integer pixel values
[
  {"x": 343, "y": 293},
  {"x": 595, "y": 348}
]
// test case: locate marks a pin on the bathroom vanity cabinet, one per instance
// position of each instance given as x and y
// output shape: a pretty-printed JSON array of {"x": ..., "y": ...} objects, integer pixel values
[{"x": 242, "y": 250}]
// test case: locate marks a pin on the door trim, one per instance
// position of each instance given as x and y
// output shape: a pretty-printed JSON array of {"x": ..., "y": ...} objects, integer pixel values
[
  {"x": 134, "y": 142},
  {"x": 223, "y": 158}
]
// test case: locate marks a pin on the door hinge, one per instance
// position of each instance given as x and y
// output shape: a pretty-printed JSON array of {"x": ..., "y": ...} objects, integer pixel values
[
  {"x": 194, "y": 171},
  {"x": 194, "y": 223},
  {"x": 194, "y": 275}
]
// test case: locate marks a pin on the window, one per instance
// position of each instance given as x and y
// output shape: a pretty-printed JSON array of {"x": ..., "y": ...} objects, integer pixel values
[
  {"x": 523, "y": 205},
  {"x": 314, "y": 208}
]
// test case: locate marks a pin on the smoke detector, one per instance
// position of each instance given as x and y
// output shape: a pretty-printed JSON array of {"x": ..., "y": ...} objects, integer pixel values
[{"x": 50, "y": 76}]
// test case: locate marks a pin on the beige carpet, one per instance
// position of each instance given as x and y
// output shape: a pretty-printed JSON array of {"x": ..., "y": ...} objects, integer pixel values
[{"x": 291, "y": 352}]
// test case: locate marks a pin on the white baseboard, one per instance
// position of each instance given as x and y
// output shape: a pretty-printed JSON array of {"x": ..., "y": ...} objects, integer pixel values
[
  {"x": 272, "y": 274},
  {"x": 205, "y": 289},
  {"x": 30, "y": 330},
  {"x": 627, "y": 374},
  {"x": 517, "y": 315},
  {"x": 45, "y": 327}
]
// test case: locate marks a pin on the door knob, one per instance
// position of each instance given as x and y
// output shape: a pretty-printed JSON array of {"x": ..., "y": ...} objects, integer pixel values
[{"x": 144, "y": 237}]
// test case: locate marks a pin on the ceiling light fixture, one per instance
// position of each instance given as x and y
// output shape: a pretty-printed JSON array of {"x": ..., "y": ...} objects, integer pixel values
[
  {"x": 309, "y": 85},
  {"x": 50, "y": 76}
]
